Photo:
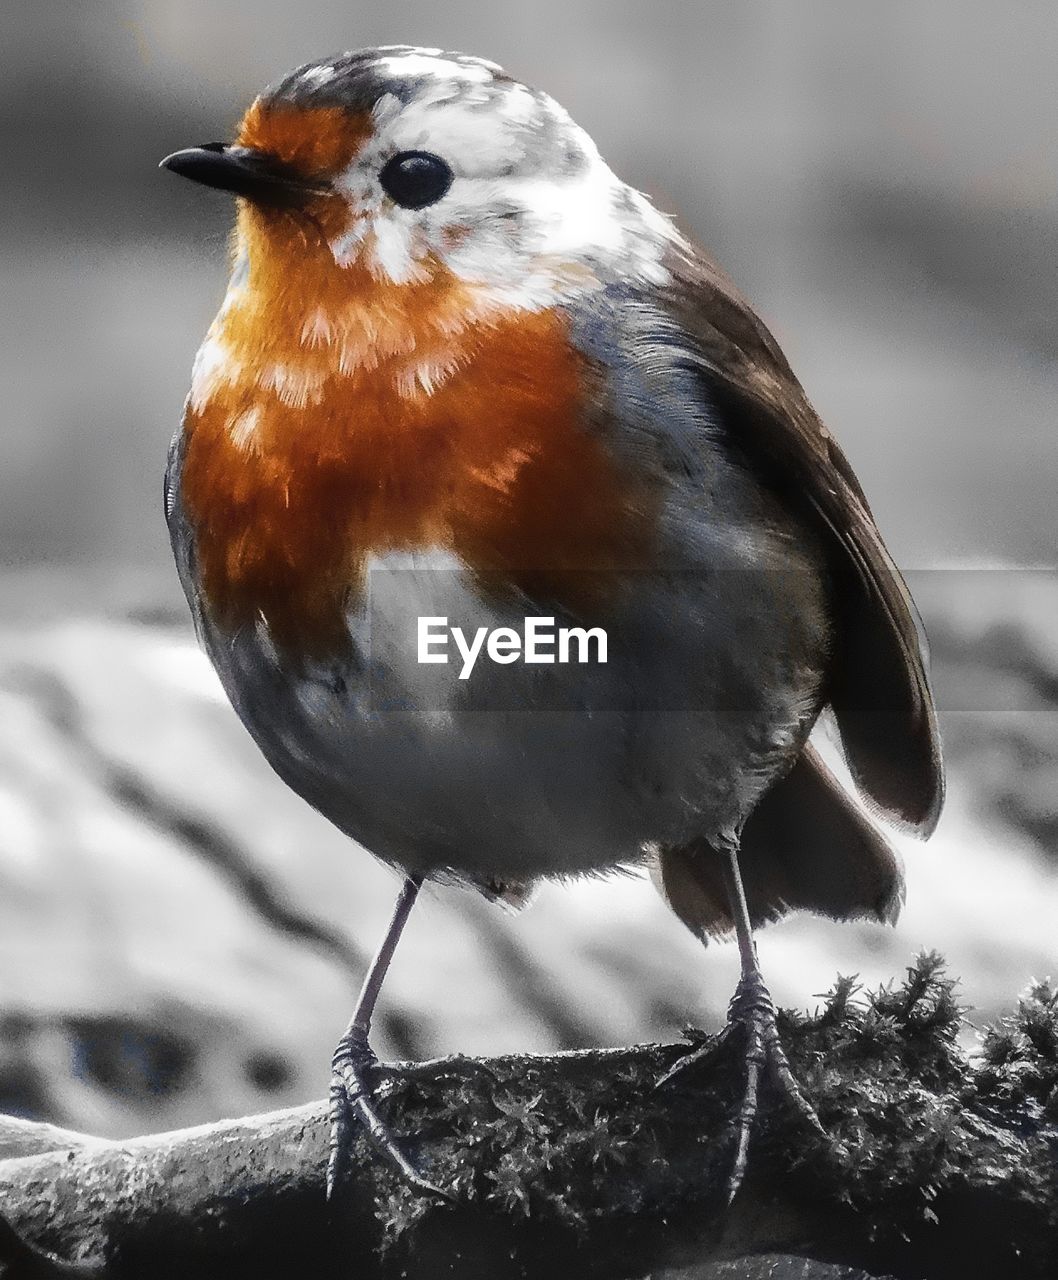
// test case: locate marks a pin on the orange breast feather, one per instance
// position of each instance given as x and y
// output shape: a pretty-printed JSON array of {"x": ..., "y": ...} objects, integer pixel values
[{"x": 321, "y": 444}]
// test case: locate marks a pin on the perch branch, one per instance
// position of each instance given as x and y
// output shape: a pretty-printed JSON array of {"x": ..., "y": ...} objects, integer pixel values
[{"x": 575, "y": 1164}]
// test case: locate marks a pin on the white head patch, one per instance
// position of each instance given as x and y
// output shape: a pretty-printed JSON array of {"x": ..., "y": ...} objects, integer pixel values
[{"x": 533, "y": 213}]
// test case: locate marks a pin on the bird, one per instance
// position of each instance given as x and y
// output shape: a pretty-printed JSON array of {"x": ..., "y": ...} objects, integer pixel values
[{"x": 463, "y": 374}]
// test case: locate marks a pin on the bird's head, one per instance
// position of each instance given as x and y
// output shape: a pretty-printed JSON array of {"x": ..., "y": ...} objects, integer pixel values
[{"x": 405, "y": 166}]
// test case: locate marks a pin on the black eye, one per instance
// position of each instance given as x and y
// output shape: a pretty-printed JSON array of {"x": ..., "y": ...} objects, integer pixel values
[{"x": 415, "y": 179}]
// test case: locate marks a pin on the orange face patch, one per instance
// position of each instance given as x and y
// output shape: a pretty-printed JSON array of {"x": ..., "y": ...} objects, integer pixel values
[
  {"x": 317, "y": 141},
  {"x": 355, "y": 416}
]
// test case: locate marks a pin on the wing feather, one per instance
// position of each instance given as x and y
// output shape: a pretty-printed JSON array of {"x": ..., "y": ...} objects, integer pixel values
[{"x": 879, "y": 682}]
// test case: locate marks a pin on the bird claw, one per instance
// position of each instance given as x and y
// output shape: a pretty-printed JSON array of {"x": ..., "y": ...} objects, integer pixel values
[
  {"x": 703, "y": 1055},
  {"x": 352, "y": 1100},
  {"x": 752, "y": 1011},
  {"x": 456, "y": 1065}
]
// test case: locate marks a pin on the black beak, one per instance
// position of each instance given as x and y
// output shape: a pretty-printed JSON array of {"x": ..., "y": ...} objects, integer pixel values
[{"x": 244, "y": 172}]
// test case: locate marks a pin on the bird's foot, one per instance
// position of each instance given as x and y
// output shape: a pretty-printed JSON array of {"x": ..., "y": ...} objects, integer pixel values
[
  {"x": 354, "y": 1070},
  {"x": 752, "y": 1012}
]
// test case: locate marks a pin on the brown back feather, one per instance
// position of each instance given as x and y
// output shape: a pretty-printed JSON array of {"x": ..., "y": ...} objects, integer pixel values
[{"x": 879, "y": 685}]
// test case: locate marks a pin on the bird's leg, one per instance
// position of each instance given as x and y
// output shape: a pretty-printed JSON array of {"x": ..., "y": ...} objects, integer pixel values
[
  {"x": 752, "y": 1006},
  {"x": 752, "y": 1009},
  {"x": 354, "y": 1061}
]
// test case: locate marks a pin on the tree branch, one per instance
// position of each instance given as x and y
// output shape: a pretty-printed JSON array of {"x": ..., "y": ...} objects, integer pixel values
[{"x": 575, "y": 1164}]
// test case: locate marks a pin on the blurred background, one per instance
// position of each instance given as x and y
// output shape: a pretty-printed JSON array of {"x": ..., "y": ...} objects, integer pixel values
[{"x": 180, "y": 937}]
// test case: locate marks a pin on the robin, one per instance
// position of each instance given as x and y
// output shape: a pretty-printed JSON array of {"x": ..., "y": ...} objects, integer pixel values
[{"x": 467, "y": 383}]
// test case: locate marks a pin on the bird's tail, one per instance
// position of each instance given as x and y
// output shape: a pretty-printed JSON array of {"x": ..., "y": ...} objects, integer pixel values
[{"x": 807, "y": 846}]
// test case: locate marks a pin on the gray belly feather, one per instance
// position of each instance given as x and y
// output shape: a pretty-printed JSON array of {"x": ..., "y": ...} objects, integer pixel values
[{"x": 712, "y": 683}]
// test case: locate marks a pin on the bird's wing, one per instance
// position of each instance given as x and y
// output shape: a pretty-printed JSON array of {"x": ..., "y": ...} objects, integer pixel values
[{"x": 879, "y": 682}]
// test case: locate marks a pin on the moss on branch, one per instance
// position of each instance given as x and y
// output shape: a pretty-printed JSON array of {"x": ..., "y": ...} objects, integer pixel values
[{"x": 935, "y": 1165}]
